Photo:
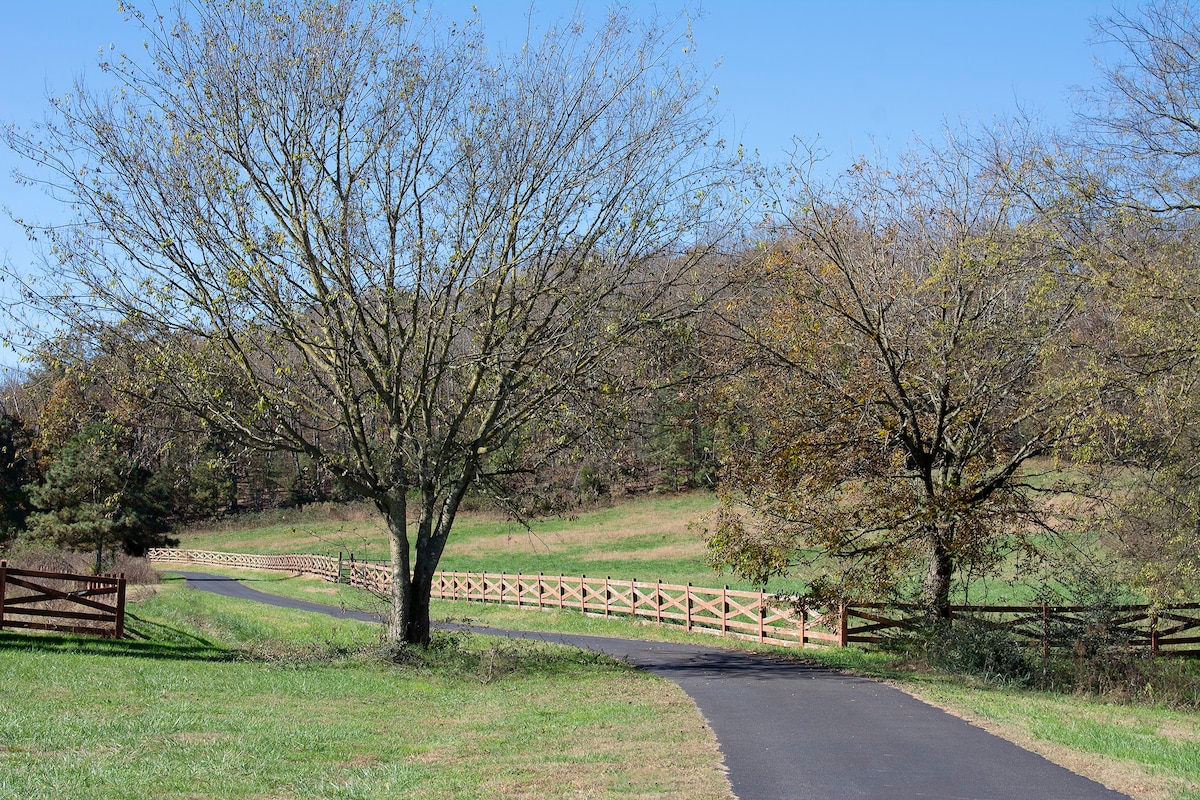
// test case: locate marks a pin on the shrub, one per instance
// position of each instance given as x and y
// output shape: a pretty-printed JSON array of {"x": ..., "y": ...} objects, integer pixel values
[
  {"x": 967, "y": 647},
  {"x": 971, "y": 647}
]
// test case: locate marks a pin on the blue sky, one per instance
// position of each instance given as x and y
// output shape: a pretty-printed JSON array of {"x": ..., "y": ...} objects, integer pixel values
[{"x": 862, "y": 75}]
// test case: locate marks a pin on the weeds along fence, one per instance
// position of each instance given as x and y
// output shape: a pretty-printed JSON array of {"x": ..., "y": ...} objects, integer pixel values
[
  {"x": 59, "y": 601},
  {"x": 756, "y": 616}
]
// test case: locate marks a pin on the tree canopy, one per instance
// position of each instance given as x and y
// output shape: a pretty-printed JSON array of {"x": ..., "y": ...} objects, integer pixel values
[
  {"x": 907, "y": 340},
  {"x": 352, "y": 232}
]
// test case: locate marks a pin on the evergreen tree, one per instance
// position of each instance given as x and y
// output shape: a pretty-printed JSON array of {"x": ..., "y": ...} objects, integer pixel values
[{"x": 96, "y": 496}]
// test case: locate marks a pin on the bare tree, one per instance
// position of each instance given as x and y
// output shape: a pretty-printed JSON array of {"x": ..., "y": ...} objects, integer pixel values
[
  {"x": 907, "y": 344},
  {"x": 1144, "y": 119},
  {"x": 350, "y": 231}
]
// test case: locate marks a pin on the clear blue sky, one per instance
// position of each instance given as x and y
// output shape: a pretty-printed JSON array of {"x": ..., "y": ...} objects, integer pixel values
[{"x": 863, "y": 75}]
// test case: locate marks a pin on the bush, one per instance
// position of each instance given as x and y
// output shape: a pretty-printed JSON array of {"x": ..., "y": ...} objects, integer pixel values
[{"x": 968, "y": 647}]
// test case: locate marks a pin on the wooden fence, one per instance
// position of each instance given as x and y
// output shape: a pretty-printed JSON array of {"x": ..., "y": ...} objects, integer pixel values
[
  {"x": 727, "y": 612},
  {"x": 51, "y": 601},
  {"x": 1173, "y": 630},
  {"x": 756, "y": 616}
]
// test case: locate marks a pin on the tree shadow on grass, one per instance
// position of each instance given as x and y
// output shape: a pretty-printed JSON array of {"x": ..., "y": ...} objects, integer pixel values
[{"x": 144, "y": 639}]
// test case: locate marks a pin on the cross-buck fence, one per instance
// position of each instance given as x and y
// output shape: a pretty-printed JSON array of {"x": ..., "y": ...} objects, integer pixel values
[
  {"x": 756, "y": 616},
  {"x": 58, "y": 601}
]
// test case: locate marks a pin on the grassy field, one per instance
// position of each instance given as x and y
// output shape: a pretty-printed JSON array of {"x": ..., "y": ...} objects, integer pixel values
[
  {"x": 225, "y": 699},
  {"x": 658, "y": 537},
  {"x": 650, "y": 538}
]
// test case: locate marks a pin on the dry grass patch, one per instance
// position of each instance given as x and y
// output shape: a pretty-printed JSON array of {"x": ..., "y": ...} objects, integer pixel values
[
  {"x": 605, "y": 533},
  {"x": 666, "y": 552}
]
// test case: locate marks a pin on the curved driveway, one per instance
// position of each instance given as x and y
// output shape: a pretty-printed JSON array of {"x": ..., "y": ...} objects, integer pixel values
[{"x": 789, "y": 731}]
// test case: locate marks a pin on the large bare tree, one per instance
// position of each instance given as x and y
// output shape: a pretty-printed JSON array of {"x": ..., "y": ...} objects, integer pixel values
[
  {"x": 907, "y": 335},
  {"x": 352, "y": 231}
]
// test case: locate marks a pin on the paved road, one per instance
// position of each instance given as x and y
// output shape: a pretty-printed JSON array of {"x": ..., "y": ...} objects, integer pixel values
[{"x": 796, "y": 732}]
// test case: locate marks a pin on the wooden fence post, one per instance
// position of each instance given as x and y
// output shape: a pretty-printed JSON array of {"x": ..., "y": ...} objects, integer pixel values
[
  {"x": 804, "y": 627},
  {"x": 725, "y": 609},
  {"x": 1045, "y": 633},
  {"x": 1153, "y": 625},
  {"x": 119, "y": 631},
  {"x": 688, "y": 595},
  {"x": 762, "y": 615},
  {"x": 658, "y": 600},
  {"x": 3, "y": 581},
  {"x": 583, "y": 593},
  {"x": 633, "y": 597},
  {"x": 606, "y": 578},
  {"x": 843, "y": 624},
  {"x": 560, "y": 591},
  {"x": 541, "y": 588}
]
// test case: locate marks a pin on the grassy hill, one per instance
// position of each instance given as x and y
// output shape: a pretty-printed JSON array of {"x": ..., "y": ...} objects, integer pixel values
[{"x": 657, "y": 537}]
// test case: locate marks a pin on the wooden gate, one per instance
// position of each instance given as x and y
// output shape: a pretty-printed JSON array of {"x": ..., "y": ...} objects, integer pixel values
[{"x": 57, "y": 601}]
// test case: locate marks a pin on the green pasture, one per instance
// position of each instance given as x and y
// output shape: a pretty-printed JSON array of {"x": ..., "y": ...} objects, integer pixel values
[
  {"x": 651, "y": 538},
  {"x": 658, "y": 537},
  {"x": 219, "y": 698}
]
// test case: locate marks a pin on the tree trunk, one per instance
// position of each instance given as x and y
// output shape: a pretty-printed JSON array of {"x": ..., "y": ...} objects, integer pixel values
[
  {"x": 417, "y": 628},
  {"x": 939, "y": 571},
  {"x": 395, "y": 512}
]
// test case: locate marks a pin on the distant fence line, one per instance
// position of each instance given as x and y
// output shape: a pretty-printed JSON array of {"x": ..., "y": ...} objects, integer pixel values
[
  {"x": 51, "y": 601},
  {"x": 756, "y": 616}
]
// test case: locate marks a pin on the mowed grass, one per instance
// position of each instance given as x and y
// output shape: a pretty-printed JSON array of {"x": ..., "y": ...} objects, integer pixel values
[
  {"x": 1150, "y": 752},
  {"x": 235, "y": 700},
  {"x": 651, "y": 538}
]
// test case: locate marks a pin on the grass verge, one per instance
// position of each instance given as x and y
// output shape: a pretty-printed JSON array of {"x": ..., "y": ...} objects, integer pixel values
[{"x": 218, "y": 698}]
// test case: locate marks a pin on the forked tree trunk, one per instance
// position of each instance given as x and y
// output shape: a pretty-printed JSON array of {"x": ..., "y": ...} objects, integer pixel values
[{"x": 412, "y": 576}]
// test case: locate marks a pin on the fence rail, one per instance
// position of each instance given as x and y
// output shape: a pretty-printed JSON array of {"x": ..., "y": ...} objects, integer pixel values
[
  {"x": 1173, "y": 630},
  {"x": 50, "y": 601},
  {"x": 756, "y": 616}
]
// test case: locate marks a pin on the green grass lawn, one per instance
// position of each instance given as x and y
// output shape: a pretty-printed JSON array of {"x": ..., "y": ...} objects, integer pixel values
[{"x": 219, "y": 698}]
